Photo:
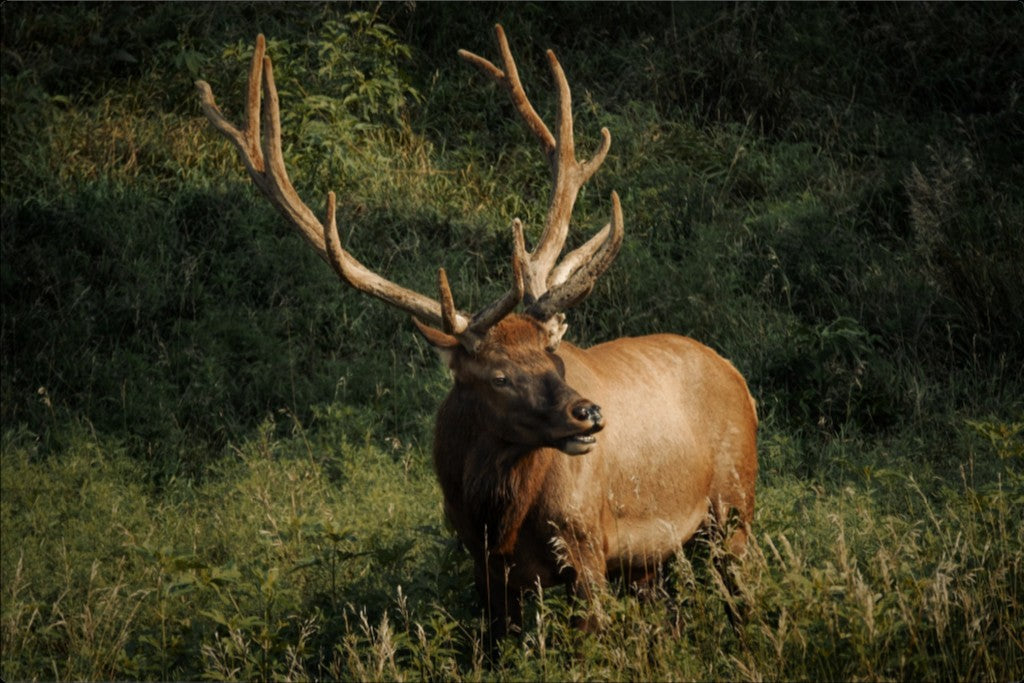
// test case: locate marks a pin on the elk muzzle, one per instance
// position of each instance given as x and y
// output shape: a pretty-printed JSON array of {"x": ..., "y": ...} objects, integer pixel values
[{"x": 589, "y": 417}]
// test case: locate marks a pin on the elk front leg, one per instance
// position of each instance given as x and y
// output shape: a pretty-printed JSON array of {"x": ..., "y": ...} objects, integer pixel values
[
  {"x": 586, "y": 578},
  {"x": 503, "y": 602}
]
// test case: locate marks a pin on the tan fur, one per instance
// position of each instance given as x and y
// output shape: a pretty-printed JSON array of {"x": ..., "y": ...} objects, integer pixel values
[{"x": 678, "y": 452}]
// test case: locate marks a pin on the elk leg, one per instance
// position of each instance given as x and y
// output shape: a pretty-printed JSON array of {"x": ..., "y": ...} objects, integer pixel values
[
  {"x": 503, "y": 603},
  {"x": 586, "y": 581},
  {"x": 728, "y": 533},
  {"x": 584, "y": 593},
  {"x": 645, "y": 581}
]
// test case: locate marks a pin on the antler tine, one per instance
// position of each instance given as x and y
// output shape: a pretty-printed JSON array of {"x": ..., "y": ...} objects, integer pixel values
[
  {"x": 276, "y": 183},
  {"x": 569, "y": 281},
  {"x": 264, "y": 160},
  {"x": 262, "y": 154},
  {"x": 449, "y": 316},
  {"x": 569, "y": 176},
  {"x": 509, "y": 78},
  {"x": 252, "y": 103},
  {"x": 578, "y": 272},
  {"x": 247, "y": 140}
]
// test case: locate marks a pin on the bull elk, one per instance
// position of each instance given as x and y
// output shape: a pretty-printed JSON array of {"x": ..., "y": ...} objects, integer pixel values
[{"x": 558, "y": 464}]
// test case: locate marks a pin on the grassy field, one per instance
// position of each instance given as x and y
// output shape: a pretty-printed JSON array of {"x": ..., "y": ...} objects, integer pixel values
[{"x": 216, "y": 460}]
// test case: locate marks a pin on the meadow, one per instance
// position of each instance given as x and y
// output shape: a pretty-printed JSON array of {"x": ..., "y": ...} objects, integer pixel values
[{"x": 216, "y": 459}]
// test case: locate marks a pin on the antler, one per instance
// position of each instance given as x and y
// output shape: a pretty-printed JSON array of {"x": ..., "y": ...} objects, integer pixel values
[
  {"x": 552, "y": 288},
  {"x": 264, "y": 161}
]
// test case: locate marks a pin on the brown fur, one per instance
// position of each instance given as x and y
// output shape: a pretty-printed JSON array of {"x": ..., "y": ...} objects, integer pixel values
[{"x": 678, "y": 453}]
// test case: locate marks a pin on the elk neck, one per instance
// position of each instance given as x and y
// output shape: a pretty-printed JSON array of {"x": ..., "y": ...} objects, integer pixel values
[{"x": 493, "y": 482}]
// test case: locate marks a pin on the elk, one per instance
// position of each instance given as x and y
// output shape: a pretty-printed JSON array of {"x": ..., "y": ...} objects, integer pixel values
[{"x": 558, "y": 464}]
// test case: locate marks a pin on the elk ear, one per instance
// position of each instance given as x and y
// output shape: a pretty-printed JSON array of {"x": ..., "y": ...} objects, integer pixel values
[
  {"x": 555, "y": 327},
  {"x": 444, "y": 343}
]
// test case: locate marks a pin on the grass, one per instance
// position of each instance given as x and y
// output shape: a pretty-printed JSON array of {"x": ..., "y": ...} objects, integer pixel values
[
  {"x": 315, "y": 555},
  {"x": 216, "y": 462}
]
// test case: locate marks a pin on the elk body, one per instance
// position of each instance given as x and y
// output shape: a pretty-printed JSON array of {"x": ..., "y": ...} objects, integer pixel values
[
  {"x": 539, "y": 487},
  {"x": 558, "y": 465}
]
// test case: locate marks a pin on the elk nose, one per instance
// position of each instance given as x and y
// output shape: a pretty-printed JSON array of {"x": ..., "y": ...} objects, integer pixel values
[{"x": 585, "y": 411}]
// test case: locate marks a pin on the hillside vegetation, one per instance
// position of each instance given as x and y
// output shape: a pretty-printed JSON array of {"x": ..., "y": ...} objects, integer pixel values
[{"x": 216, "y": 459}]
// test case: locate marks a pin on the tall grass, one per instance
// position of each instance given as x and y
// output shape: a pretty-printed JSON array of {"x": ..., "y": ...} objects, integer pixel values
[
  {"x": 316, "y": 555},
  {"x": 215, "y": 460}
]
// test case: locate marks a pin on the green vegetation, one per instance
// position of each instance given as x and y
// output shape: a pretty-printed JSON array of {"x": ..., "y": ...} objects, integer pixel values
[{"x": 216, "y": 460}]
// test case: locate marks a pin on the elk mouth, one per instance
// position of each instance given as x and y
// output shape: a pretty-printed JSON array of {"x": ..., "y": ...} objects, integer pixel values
[{"x": 579, "y": 444}]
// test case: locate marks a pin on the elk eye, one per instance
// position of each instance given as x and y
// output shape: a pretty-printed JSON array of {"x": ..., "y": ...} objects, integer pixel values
[{"x": 500, "y": 381}]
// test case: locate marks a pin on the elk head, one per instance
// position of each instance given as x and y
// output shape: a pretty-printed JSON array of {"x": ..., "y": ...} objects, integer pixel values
[
  {"x": 516, "y": 384},
  {"x": 509, "y": 360}
]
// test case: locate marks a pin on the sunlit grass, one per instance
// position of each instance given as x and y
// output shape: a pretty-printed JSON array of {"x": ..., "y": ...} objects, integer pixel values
[{"x": 301, "y": 559}]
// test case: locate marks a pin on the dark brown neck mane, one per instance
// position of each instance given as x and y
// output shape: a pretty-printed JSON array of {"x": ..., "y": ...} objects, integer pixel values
[{"x": 494, "y": 483}]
